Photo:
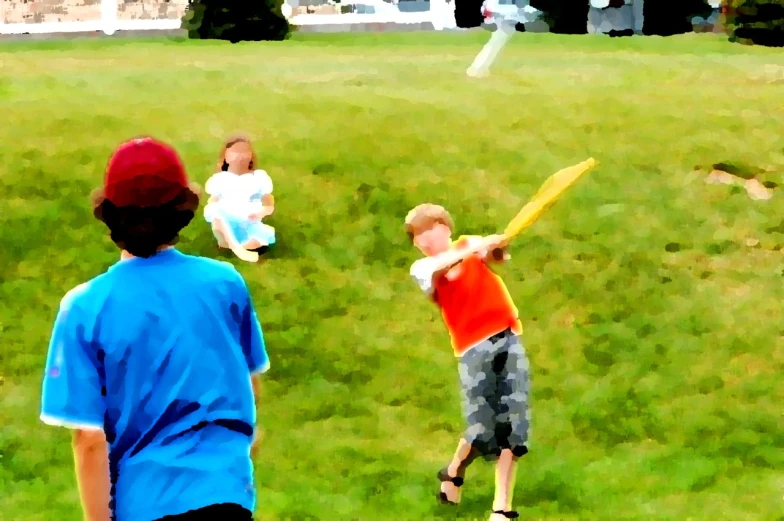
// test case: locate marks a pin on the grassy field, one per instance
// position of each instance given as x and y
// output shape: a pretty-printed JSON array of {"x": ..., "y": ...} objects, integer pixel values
[{"x": 651, "y": 301}]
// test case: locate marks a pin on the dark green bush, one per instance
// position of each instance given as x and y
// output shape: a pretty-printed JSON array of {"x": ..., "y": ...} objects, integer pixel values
[
  {"x": 468, "y": 13},
  {"x": 755, "y": 21},
  {"x": 564, "y": 16},
  {"x": 661, "y": 17},
  {"x": 236, "y": 20},
  {"x": 670, "y": 17}
]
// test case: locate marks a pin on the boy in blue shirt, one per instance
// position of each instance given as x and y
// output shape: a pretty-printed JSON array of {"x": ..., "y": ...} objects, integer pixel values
[{"x": 155, "y": 363}]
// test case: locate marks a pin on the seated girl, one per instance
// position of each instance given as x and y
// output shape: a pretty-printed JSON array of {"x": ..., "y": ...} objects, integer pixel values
[{"x": 240, "y": 197}]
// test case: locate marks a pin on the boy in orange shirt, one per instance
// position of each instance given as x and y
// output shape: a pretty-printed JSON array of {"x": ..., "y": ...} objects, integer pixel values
[{"x": 483, "y": 324}]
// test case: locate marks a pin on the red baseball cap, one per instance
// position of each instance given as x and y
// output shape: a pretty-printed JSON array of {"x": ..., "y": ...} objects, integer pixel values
[{"x": 144, "y": 172}]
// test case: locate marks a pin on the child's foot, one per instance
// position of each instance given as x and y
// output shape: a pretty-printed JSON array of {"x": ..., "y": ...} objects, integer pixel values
[
  {"x": 243, "y": 254},
  {"x": 252, "y": 245},
  {"x": 450, "y": 488},
  {"x": 449, "y": 494},
  {"x": 257, "y": 246}
]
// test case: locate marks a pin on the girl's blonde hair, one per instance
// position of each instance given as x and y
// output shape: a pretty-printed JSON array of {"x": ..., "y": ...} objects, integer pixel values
[
  {"x": 230, "y": 142},
  {"x": 426, "y": 215}
]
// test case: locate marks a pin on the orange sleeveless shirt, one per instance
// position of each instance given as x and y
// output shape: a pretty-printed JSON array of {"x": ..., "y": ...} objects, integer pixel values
[{"x": 475, "y": 305}]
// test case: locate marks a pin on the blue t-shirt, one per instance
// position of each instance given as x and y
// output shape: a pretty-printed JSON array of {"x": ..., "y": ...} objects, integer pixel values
[{"x": 159, "y": 354}]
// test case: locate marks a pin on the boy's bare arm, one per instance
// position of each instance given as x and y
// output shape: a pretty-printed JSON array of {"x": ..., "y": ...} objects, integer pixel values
[
  {"x": 427, "y": 271},
  {"x": 452, "y": 258},
  {"x": 446, "y": 261},
  {"x": 484, "y": 247},
  {"x": 496, "y": 249},
  {"x": 91, "y": 458},
  {"x": 256, "y": 383},
  {"x": 444, "y": 266}
]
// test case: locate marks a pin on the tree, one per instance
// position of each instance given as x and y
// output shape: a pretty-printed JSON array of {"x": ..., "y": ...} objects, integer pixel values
[
  {"x": 468, "y": 13},
  {"x": 236, "y": 20},
  {"x": 755, "y": 21},
  {"x": 670, "y": 17},
  {"x": 564, "y": 16}
]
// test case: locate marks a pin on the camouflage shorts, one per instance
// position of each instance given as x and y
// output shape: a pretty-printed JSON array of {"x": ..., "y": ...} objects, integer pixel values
[{"x": 495, "y": 384}]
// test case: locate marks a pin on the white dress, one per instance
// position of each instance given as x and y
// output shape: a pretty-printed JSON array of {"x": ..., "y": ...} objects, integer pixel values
[{"x": 239, "y": 197}]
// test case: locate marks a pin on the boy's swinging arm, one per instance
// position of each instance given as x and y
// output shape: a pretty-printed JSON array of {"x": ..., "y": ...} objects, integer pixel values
[
  {"x": 455, "y": 256},
  {"x": 548, "y": 193}
]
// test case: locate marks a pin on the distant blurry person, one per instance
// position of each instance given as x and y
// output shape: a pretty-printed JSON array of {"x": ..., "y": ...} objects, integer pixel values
[
  {"x": 240, "y": 198},
  {"x": 506, "y": 17}
]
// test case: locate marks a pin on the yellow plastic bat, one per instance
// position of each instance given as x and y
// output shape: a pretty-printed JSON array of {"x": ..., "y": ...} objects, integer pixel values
[{"x": 552, "y": 188}]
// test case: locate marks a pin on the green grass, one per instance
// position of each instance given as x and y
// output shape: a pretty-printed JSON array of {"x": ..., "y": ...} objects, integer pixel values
[{"x": 655, "y": 330}]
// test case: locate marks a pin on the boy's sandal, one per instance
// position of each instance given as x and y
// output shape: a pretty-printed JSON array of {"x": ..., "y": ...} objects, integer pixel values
[
  {"x": 444, "y": 500},
  {"x": 444, "y": 477},
  {"x": 509, "y": 514}
]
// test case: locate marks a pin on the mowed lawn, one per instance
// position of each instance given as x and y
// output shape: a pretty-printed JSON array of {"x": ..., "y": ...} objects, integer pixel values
[{"x": 651, "y": 301}]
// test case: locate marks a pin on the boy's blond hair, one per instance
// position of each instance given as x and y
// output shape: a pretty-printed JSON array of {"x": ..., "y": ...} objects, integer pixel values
[{"x": 426, "y": 215}]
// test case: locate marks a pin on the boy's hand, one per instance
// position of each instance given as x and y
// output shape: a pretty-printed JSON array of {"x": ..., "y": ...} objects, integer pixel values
[
  {"x": 255, "y": 444},
  {"x": 493, "y": 242},
  {"x": 496, "y": 248}
]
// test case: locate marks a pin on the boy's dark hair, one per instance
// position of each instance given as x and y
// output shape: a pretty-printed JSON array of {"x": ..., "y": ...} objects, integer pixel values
[
  {"x": 143, "y": 230},
  {"x": 146, "y": 198}
]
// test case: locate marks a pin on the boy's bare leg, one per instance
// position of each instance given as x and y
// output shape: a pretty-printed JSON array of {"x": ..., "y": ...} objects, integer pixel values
[
  {"x": 504, "y": 482},
  {"x": 464, "y": 456}
]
